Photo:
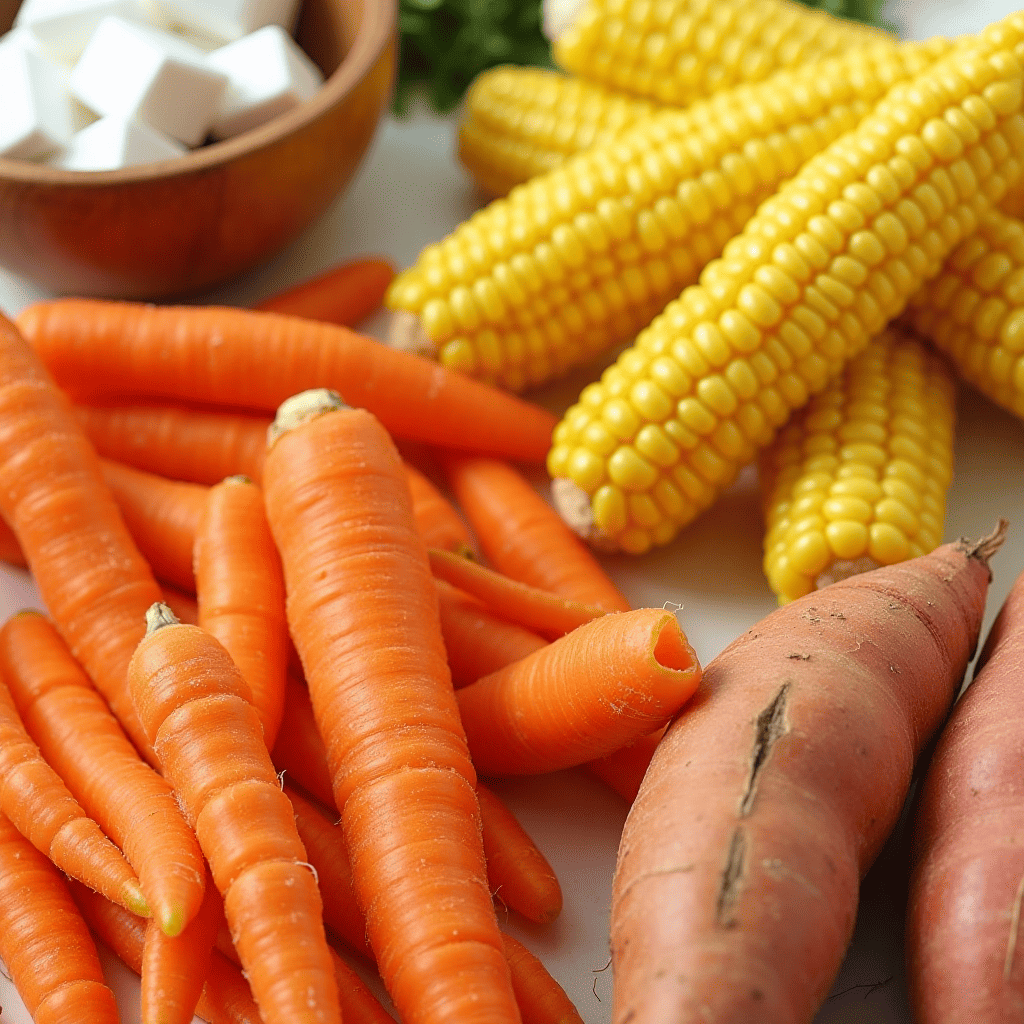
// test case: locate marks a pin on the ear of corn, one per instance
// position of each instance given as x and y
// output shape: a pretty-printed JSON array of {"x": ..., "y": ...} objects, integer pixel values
[
  {"x": 580, "y": 259},
  {"x": 519, "y": 122},
  {"x": 973, "y": 311},
  {"x": 676, "y": 51},
  {"x": 823, "y": 266},
  {"x": 858, "y": 477}
]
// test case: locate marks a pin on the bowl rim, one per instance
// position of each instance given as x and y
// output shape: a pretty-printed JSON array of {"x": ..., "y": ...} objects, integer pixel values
[{"x": 378, "y": 25}]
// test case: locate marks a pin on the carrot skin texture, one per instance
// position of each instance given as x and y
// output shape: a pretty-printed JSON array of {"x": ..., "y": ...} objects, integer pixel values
[
  {"x": 968, "y": 846},
  {"x": 88, "y": 749},
  {"x": 796, "y": 755},
  {"x": 624, "y": 769},
  {"x": 299, "y": 750},
  {"x": 44, "y": 943},
  {"x": 343, "y": 294},
  {"x": 541, "y": 999},
  {"x": 98, "y": 349},
  {"x": 340, "y": 511},
  {"x": 439, "y": 524},
  {"x": 583, "y": 696}
]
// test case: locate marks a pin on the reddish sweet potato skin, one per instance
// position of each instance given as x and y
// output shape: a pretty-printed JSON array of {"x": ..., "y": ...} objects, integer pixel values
[
  {"x": 965, "y": 953},
  {"x": 771, "y": 794}
]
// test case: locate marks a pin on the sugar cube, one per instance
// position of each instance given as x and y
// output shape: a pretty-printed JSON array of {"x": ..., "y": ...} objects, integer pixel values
[
  {"x": 36, "y": 117},
  {"x": 64, "y": 27},
  {"x": 227, "y": 20},
  {"x": 117, "y": 141}
]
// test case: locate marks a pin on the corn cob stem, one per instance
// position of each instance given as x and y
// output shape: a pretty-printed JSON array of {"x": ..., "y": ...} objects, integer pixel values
[
  {"x": 822, "y": 267},
  {"x": 858, "y": 477},
  {"x": 580, "y": 259},
  {"x": 676, "y": 51}
]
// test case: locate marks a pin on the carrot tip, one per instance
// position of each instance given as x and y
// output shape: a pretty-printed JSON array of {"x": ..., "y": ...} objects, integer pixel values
[
  {"x": 135, "y": 901},
  {"x": 172, "y": 922}
]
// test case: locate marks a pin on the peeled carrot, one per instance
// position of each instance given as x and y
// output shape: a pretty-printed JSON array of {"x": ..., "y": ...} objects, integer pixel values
[
  {"x": 86, "y": 746},
  {"x": 794, "y": 760},
  {"x": 201, "y": 446},
  {"x": 254, "y": 361},
  {"x": 362, "y": 608},
  {"x": 522, "y": 536},
  {"x": 44, "y": 943},
  {"x": 965, "y": 953},
  {"x": 38, "y": 804},
  {"x": 439, "y": 524},
  {"x": 344, "y": 294},
  {"x": 196, "y": 710},
  {"x": 240, "y": 592},
  {"x": 541, "y": 999},
  {"x": 88, "y": 569},
  {"x": 162, "y": 516}
]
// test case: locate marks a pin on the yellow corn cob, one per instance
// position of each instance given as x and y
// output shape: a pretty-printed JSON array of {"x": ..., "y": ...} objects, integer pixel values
[
  {"x": 858, "y": 477},
  {"x": 974, "y": 310},
  {"x": 579, "y": 259},
  {"x": 520, "y": 122},
  {"x": 676, "y": 51},
  {"x": 823, "y": 266}
]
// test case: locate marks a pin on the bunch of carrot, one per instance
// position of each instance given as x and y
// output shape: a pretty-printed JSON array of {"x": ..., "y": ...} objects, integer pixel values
[{"x": 231, "y": 596}]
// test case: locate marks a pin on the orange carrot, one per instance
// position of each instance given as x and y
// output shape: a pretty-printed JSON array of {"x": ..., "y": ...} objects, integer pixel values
[
  {"x": 477, "y": 641},
  {"x": 240, "y": 592},
  {"x": 183, "y": 605},
  {"x": 547, "y": 613},
  {"x": 623, "y": 770},
  {"x": 439, "y": 524},
  {"x": 201, "y": 446},
  {"x": 196, "y": 710},
  {"x": 541, "y": 999},
  {"x": 362, "y": 608},
  {"x": 344, "y": 294},
  {"x": 10, "y": 549},
  {"x": 38, "y": 804},
  {"x": 522, "y": 536},
  {"x": 88, "y": 570},
  {"x": 162, "y": 516},
  {"x": 45, "y": 944},
  {"x": 226, "y": 997},
  {"x": 299, "y": 750},
  {"x": 518, "y": 872},
  {"x": 599, "y": 688},
  {"x": 82, "y": 740},
  {"x": 253, "y": 360}
]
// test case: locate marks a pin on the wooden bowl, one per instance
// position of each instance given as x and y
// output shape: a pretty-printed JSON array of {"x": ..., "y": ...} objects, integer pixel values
[{"x": 180, "y": 226}]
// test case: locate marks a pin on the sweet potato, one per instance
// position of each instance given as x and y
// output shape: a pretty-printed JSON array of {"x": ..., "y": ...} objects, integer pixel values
[
  {"x": 773, "y": 791},
  {"x": 965, "y": 951}
]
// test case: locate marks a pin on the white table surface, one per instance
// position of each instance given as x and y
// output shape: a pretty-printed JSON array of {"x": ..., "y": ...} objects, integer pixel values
[{"x": 411, "y": 191}]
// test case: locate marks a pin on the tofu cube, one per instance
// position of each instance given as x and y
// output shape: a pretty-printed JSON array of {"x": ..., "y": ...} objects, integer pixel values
[
  {"x": 227, "y": 20},
  {"x": 64, "y": 27},
  {"x": 267, "y": 74},
  {"x": 117, "y": 141},
  {"x": 37, "y": 116},
  {"x": 132, "y": 70}
]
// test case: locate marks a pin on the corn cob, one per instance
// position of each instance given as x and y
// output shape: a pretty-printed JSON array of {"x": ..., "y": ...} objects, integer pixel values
[
  {"x": 520, "y": 122},
  {"x": 676, "y": 51},
  {"x": 823, "y": 266},
  {"x": 974, "y": 310},
  {"x": 579, "y": 259},
  {"x": 858, "y": 477}
]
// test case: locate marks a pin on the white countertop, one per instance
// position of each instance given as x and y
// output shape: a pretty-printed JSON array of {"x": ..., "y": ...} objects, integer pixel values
[{"x": 410, "y": 192}]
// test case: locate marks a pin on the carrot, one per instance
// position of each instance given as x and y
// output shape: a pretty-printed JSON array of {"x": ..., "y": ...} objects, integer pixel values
[
  {"x": 362, "y": 608},
  {"x": 477, "y": 641},
  {"x": 522, "y": 536},
  {"x": 162, "y": 516},
  {"x": 226, "y": 997},
  {"x": 38, "y": 804},
  {"x": 344, "y": 294},
  {"x": 10, "y": 549},
  {"x": 439, "y": 524},
  {"x": 240, "y": 591},
  {"x": 88, "y": 570},
  {"x": 299, "y": 751},
  {"x": 624, "y": 769},
  {"x": 183, "y": 605},
  {"x": 963, "y": 937},
  {"x": 736, "y": 885},
  {"x": 528, "y": 606},
  {"x": 201, "y": 446},
  {"x": 87, "y": 748},
  {"x": 541, "y": 999},
  {"x": 581, "y": 697},
  {"x": 196, "y": 710},
  {"x": 44, "y": 943},
  {"x": 253, "y": 360},
  {"x": 518, "y": 872}
]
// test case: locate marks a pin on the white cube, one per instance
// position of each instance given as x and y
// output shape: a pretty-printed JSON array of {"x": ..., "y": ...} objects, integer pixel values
[
  {"x": 64, "y": 27},
  {"x": 117, "y": 141},
  {"x": 267, "y": 73},
  {"x": 227, "y": 20},
  {"x": 129, "y": 69},
  {"x": 36, "y": 116}
]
